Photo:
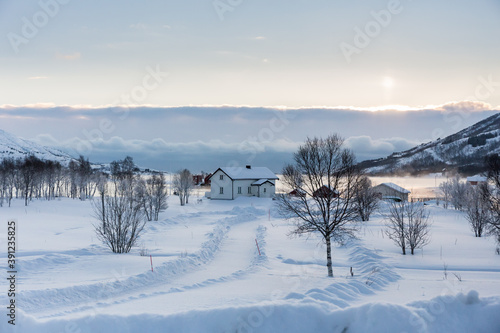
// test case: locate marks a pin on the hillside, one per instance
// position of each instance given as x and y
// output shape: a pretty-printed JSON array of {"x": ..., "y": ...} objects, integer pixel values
[
  {"x": 463, "y": 151},
  {"x": 14, "y": 147}
]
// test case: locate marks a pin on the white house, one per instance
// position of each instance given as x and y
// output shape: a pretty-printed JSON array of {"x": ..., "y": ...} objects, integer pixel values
[
  {"x": 391, "y": 191},
  {"x": 228, "y": 183}
]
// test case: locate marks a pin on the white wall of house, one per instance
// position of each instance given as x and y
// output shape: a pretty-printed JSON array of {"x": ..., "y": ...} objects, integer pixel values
[
  {"x": 265, "y": 190},
  {"x": 245, "y": 184},
  {"x": 217, "y": 183}
]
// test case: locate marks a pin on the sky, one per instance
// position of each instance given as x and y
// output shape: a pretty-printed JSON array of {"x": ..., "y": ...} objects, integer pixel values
[{"x": 204, "y": 77}]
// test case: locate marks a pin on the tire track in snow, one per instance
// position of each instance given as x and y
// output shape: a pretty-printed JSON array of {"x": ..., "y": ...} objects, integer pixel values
[
  {"x": 110, "y": 292},
  {"x": 257, "y": 261}
]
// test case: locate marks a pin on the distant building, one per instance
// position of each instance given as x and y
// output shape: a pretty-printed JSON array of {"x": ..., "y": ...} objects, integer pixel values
[
  {"x": 391, "y": 191},
  {"x": 198, "y": 179},
  {"x": 297, "y": 193},
  {"x": 476, "y": 180},
  {"x": 326, "y": 192},
  {"x": 206, "y": 181},
  {"x": 229, "y": 183}
]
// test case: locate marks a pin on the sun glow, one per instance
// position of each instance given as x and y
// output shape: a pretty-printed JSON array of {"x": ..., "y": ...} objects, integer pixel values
[{"x": 388, "y": 82}]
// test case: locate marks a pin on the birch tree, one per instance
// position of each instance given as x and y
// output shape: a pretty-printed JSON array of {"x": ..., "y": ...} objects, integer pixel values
[{"x": 321, "y": 163}]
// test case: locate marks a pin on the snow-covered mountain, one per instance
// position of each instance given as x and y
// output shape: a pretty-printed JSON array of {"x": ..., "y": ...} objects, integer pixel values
[
  {"x": 463, "y": 151},
  {"x": 14, "y": 147}
]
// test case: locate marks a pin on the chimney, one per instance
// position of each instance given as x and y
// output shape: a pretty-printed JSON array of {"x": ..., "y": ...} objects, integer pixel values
[{"x": 249, "y": 166}]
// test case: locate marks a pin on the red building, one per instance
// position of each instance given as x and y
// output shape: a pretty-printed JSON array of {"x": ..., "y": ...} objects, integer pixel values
[{"x": 326, "y": 192}]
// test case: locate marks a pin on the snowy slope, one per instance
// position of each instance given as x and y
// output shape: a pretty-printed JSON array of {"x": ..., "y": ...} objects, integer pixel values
[
  {"x": 14, "y": 147},
  {"x": 464, "y": 151}
]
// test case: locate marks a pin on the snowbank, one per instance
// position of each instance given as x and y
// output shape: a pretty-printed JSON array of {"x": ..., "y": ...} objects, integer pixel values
[{"x": 460, "y": 313}]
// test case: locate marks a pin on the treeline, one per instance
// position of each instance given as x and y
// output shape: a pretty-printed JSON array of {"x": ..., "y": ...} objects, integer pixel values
[
  {"x": 32, "y": 178},
  {"x": 481, "y": 202}
]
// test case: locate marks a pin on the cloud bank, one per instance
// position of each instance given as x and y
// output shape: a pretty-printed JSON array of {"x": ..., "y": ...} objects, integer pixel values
[{"x": 205, "y": 137}]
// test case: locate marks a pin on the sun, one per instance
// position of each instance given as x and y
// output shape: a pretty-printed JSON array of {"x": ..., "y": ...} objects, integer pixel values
[{"x": 388, "y": 82}]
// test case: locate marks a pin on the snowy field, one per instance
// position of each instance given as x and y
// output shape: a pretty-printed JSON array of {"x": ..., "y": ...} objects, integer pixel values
[{"x": 208, "y": 275}]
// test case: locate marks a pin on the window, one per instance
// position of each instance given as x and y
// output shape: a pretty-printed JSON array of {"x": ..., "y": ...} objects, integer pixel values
[
  {"x": 221, "y": 190},
  {"x": 265, "y": 190},
  {"x": 249, "y": 190},
  {"x": 221, "y": 177},
  {"x": 239, "y": 189}
]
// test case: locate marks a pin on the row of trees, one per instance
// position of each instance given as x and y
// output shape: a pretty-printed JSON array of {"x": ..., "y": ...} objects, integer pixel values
[
  {"x": 481, "y": 203},
  {"x": 32, "y": 178},
  {"x": 122, "y": 200}
]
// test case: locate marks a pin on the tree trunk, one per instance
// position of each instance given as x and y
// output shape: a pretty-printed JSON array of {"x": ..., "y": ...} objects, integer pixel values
[
  {"x": 329, "y": 256},
  {"x": 103, "y": 213}
]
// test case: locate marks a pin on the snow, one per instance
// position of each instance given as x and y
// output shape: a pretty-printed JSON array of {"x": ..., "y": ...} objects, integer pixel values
[
  {"x": 208, "y": 275},
  {"x": 261, "y": 181},
  {"x": 477, "y": 178},
  {"x": 396, "y": 188},
  {"x": 14, "y": 147},
  {"x": 249, "y": 173}
]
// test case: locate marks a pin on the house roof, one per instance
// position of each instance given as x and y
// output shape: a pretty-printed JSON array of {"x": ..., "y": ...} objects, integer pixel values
[
  {"x": 477, "y": 178},
  {"x": 395, "y": 187},
  {"x": 261, "y": 182},
  {"x": 257, "y": 173}
]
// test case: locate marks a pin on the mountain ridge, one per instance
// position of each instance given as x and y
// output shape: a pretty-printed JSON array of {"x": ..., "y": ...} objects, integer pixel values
[
  {"x": 15, "y": 147},
  {"x": 463, "y": 152}
]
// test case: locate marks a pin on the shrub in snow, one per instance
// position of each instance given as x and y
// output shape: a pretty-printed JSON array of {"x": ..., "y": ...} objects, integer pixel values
[{"x": 121, "y": 218}]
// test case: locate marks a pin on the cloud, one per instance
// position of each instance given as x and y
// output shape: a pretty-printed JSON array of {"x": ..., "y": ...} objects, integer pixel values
[
  {"x": 367, "y": 148},
  {"x": 465, "y": 106},
  {"x": 139, "y": 26},
  {"x": 207, "y": 135},
  {"x": 70, "y": 57},
  {"x": 160, "y": 146},
  {"x": 160, "y": 154}
]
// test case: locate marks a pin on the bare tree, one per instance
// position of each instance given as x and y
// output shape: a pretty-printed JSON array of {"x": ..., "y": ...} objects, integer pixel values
[
  {"x": 418, "y": 226},
  {"x": 158, "y": 190},
  {"x": 492, "y": 193},
  {"x": 366, "y": 199},
  {"x": 396, "y": 225},
  {"x": 477, "y": 209},
  {"x": 183, "y": 185},
  {"x": 445, "y": 188},
  {"x": 408, "y": 225},
  {"x": 121, "y": 220},
  {"x": 102, "y": 188},
  {"x": 9, "y": 172},
  {"x": 458, "y": 193},
  {"x": 325, "y": 172},
  {"x": 152, "y": 195},
  {"x": 28, "y": 170}
]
